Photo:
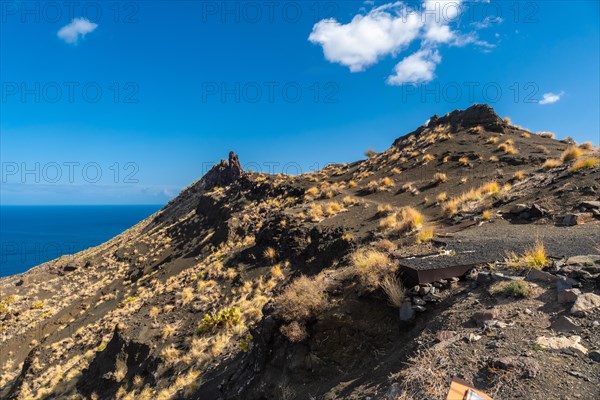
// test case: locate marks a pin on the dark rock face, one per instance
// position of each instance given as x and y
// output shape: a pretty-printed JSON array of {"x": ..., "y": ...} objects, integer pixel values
[
  {"x": 474, "y": 116},
  {"x": 100, "y": 378},
  {"x": 222, "y": 174}
]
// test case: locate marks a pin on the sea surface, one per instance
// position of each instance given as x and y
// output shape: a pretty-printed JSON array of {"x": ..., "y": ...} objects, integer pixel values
[{"x": 31, "y": 235}]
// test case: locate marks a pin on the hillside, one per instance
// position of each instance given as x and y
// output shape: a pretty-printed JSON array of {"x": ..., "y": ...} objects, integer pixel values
[{"x": 254, "y": 286}]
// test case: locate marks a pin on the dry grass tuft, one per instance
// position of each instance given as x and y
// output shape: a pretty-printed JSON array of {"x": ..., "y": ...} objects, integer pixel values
[
  {"x": 440, "y": 198},
  {"x": 533, "y": 257},
  {"x": 270, "y": 254},
  {"x": 571, "y": 153},
  {"x": 552, "y": 163},
  {"x": 547, "y": 135},
  {"x": 393, "y": 289},
  {"x": 167, "y": 331},
  {"x": 587, "y": 146},
  {"x": 486, "y": 215},
  {"x": 439, "y": 177},
  {"x": 464, "y": 161},
  {"x": 372, "y": 267},
  {"x": 585, "y": 163},
  {"x": 294, "y": 331},
  {"x": 302, "y": 299},
  {"x": 425, "y": 234},
  {"x": 519, "y": 175},
  {"x": 452, "y": 206}
]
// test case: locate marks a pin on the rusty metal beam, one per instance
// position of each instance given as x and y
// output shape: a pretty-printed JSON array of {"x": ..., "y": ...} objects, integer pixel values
[{"x": 413, "y": 276}]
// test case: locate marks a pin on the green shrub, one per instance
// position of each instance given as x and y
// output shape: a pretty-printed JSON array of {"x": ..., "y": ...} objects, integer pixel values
[
  {"x": 224, "y": 319},
  {"x": 517, "y": 289}
]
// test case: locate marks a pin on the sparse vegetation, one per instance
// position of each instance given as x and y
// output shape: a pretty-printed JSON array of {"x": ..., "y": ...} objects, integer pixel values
[
  {"x": 425, "y": 234},
  {"x": 301, "y": 301},
  {"x": 571, "y": 153},
  {"x": 370, "y": 153},
  {"x": 519, "y": 175},
  {"x": 552, "y": 163},
  {"x": 372, "y": 267},
  {"x": 270, "y": 254},
  {"x": 533, "y": 257},
  {"x": 452, "y": 206},
  {"x": 585, "y": 163},
  {"x": 222, "y": 320},
  {"x": 547, "y": 135},
  {"x": 486, "y": 215},
  {"x": 439, "y": 177},
  {"x": 37, "y": 305},
  {"x": 393, "y": 289},
  {"x": 587, "y": 146},
  {"x": 515, "y": 288}
]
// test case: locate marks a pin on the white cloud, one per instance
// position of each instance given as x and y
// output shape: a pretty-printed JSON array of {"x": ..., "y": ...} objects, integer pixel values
[
  {"x": 364, "y": 40},
  {"x": 390, "y": 29},
  {"x": 76, "y": 29},
  {"x": 439, "y": 33},
  {"x": 416, "y": 68},
  {"x": 549, "y": 98}
]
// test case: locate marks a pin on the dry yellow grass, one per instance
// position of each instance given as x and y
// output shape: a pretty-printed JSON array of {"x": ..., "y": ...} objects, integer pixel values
[
  {"x": 552, "y": 163},
  {"x": 492, "y": 140},
  {"x": 588, "y": 146},
  {"x": 584, "y": 163},
  {"x": 386, "y": 245},
  {"x": 187, "y": 295},
  {"x": 393, "y": 289},
  {"x": 507, "y": 120},
  {"x": 571, "y": 153},
  {"x": 486, "y": 215},
  {"x": 351, "y": 184},
  {"x": 425, "y": 234},
  {"x": 533, "y": 257},
  {"x": 440, "y": 198},
  {"x": 303, "y": 299},
  {"x": 519, "y": 175},
  {"x": 452, "y": 206},
  {"x": 294, "y": 331},
  {"x": 464, "y": 161},
  {"x": 508, "y": 148},
  {"x": 167, "y": 331},
  {"x": 384, "y": 209},
  {"x": 439, "y": 177},
  {"x": 387, "y": 182},
  {"x": 547, "y": 135},
  {"x": 411, "y": 218},
  {"x": 372, "y": 267},
  {"x": 427, "y": 158}
]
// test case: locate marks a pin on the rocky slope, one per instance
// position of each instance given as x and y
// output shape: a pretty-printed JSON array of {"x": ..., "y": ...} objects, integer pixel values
[{"x": 253, "y": 286}]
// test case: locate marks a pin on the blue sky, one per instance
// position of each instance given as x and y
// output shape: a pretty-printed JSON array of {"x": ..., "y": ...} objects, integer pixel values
[{"x": 129, "y": 102}]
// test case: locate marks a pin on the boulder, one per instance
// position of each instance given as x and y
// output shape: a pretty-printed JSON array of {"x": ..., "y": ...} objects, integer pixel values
[
  {"x": 564, "y": 324},
  {"x": 568, "y": 344},
  {"x": 526, "y": 367},
  {"x": 585, "y": 302},
  {"x": 568, "y": 296},
  {"x": 406, "y": 312},
  {"x": 541, "y": 276},
  {"x": 577, "y": 219}
]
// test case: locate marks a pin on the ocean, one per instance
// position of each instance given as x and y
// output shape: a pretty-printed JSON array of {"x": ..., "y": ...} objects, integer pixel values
[{"x": 31, "y": 235}]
